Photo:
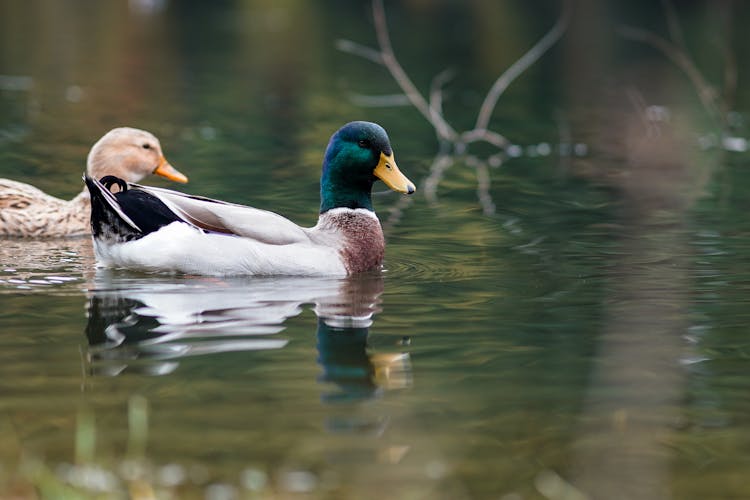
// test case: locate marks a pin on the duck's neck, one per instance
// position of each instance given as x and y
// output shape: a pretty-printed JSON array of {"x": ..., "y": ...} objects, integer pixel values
[{"x": 344, "y": 193}]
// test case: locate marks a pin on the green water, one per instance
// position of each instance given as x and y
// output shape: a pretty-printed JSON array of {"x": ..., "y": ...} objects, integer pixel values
[{"x": 575, "y": 330}]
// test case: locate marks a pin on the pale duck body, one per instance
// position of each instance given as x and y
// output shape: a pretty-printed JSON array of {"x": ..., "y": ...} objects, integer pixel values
[{"x": 28, "y": 212}]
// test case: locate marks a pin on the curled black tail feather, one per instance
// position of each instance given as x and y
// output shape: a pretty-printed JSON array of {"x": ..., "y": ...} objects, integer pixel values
[{"x": 110, "y": 180}]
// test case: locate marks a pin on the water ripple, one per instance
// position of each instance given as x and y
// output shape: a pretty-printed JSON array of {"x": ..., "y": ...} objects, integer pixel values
[{"x": 50, "y": 265}]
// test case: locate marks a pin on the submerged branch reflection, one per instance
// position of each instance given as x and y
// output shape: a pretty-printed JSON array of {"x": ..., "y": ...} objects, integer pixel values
[{"x": 150, "y": 327}]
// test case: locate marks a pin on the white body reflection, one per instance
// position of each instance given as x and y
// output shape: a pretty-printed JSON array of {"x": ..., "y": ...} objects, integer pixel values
[{"x": 148, "y": 325}]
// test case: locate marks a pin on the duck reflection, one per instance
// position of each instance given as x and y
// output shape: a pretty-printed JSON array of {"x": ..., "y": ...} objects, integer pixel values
[
  {"x": 148, "y": 327},
  {"x": 347, "y": 363}
]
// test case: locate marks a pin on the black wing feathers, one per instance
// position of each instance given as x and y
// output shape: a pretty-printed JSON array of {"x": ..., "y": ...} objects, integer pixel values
[
  {"x": 146, "y": 210},
  {"x": 127, "y": 215}
]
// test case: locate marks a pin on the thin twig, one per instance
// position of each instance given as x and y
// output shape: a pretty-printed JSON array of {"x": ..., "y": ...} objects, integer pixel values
[
  {"x": 440, "y": 164},
  {"x": 483, "y": 184},
  {"x": 521, "y": 65},
  {"x": 673, "y": 24},
  {"x": 639, "y": 105},
  {"x": 436, "y": 89},
  {"x": 359, "y": 50},
  {"x": 443, "y": 129},
  {"x": 488, "y": 136},
  {"x": 706, "y": 93},
  {"x": 564, "y": 136},
  {"x": 429, "y": 185},
  {"x": 730, "y": 61}
]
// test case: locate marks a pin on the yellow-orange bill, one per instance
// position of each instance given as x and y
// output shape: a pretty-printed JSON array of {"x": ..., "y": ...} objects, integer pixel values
[{"x": 388, "y": 172}]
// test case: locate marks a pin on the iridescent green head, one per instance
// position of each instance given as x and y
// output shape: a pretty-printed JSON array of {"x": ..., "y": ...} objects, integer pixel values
[{"x": 358, "y": 154}]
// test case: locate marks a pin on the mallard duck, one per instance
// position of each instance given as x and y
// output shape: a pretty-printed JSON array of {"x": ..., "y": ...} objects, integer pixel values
[
  {"x": 128, "y": 153},
  {"x": 156, "y": 229}
]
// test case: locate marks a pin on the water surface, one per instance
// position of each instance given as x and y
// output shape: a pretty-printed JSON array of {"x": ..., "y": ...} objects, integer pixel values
[{"x": 575, "y": 328}]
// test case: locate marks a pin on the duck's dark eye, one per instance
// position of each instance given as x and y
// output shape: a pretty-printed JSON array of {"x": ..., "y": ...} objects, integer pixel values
[
  {"x": 364, "y": 143},
  {"x": 146, "y": 146}
]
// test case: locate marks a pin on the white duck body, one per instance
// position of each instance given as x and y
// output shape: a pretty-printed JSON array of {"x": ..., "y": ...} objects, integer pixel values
[
  {"x": 229, "y": 239},
  {"x": 153, "y": 229},
  {"x": 319, "y": 251}
]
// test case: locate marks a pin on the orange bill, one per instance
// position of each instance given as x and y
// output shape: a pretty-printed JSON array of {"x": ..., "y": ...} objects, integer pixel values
[{"x": 164, "y": 169}]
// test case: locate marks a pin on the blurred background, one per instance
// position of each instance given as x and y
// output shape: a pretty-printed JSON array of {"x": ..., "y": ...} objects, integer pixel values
[{"x": 562, "y": 313}]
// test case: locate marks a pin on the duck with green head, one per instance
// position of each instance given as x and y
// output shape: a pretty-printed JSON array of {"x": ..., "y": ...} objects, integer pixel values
[{"x": 150, "y": 229}]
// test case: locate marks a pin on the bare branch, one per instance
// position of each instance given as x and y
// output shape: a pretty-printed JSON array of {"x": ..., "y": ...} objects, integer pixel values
[
  {"x": 440, "y": 164},
  {"x": 429, "y": 185},
  {"x": 521, "y": 65},
  {"x": 639, "y": 105},
  {"x": 483, "y": 190},
  {"x": 706, "y": 93},
  {"x": 452, "y": 145},
  {"x": 436, "y": 89},
  {"x": 359, "y": 50},
  {"x": 730, "y": 61},
  {"x": 673, "y": 24},
  {"x": 564, "y": 136},
  {"x": 443, "y": 129},
  {"x": 483, "y": 184},
  {"x": 487, "y": 136}
]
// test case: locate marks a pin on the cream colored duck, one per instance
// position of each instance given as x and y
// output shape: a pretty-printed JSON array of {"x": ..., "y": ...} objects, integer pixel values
[
  {"x": 160, "y": 230},
  {"x": 128, "y": 153}
]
